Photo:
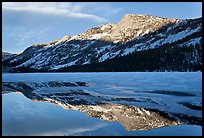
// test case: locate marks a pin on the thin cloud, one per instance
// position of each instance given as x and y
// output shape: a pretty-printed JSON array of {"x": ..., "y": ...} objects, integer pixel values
[
  {"x": 104, "y": 8},
  {"x": 52, "y": 8}
]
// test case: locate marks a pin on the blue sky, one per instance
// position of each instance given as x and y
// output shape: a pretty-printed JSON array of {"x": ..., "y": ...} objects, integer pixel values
[{"x": 27, "y": 23}]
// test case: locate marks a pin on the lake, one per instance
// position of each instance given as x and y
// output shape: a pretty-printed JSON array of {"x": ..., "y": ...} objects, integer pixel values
[{"x": 120, "y": 104}]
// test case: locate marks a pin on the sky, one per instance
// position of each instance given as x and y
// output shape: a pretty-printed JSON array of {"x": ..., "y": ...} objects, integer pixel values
[{"x": 27, "y": 23}]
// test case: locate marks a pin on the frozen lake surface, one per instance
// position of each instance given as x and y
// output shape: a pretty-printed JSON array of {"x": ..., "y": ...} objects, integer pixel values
[{"x": 41, "y": 113}]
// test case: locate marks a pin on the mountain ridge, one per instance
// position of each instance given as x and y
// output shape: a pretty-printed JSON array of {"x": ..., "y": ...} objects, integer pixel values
[{"x": 133, "y": 33}]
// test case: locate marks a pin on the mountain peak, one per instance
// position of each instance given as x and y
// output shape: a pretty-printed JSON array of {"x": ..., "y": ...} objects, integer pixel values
[
  {"x": 145, "y": 16},
  {"x": 140, "y": 24},
  {"x": 129, "y": 27}
]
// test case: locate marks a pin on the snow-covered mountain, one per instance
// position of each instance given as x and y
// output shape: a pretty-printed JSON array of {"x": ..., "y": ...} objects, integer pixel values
[
  {"x": 133, "y": 33},
  {"x": 6, "y": 55}
]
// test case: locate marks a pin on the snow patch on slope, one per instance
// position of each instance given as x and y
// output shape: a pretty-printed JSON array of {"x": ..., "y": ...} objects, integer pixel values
[{"x": 64, "y": 65}]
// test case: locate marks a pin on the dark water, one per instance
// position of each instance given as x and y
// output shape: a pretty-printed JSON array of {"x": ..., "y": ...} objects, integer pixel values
[{"x": 22, "y": 116}]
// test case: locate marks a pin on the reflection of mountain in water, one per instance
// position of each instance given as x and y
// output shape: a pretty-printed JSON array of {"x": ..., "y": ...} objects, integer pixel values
[
  {"x": 131, "y": 117},
  {"x": 103, "y": 107}
]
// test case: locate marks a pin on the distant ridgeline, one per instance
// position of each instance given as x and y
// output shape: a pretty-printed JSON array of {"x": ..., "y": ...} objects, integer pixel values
[{"x": 137, "y": 43}]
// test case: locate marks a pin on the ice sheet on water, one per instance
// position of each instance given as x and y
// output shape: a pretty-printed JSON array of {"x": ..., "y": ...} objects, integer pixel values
[{"x": 173, "y": 81}]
